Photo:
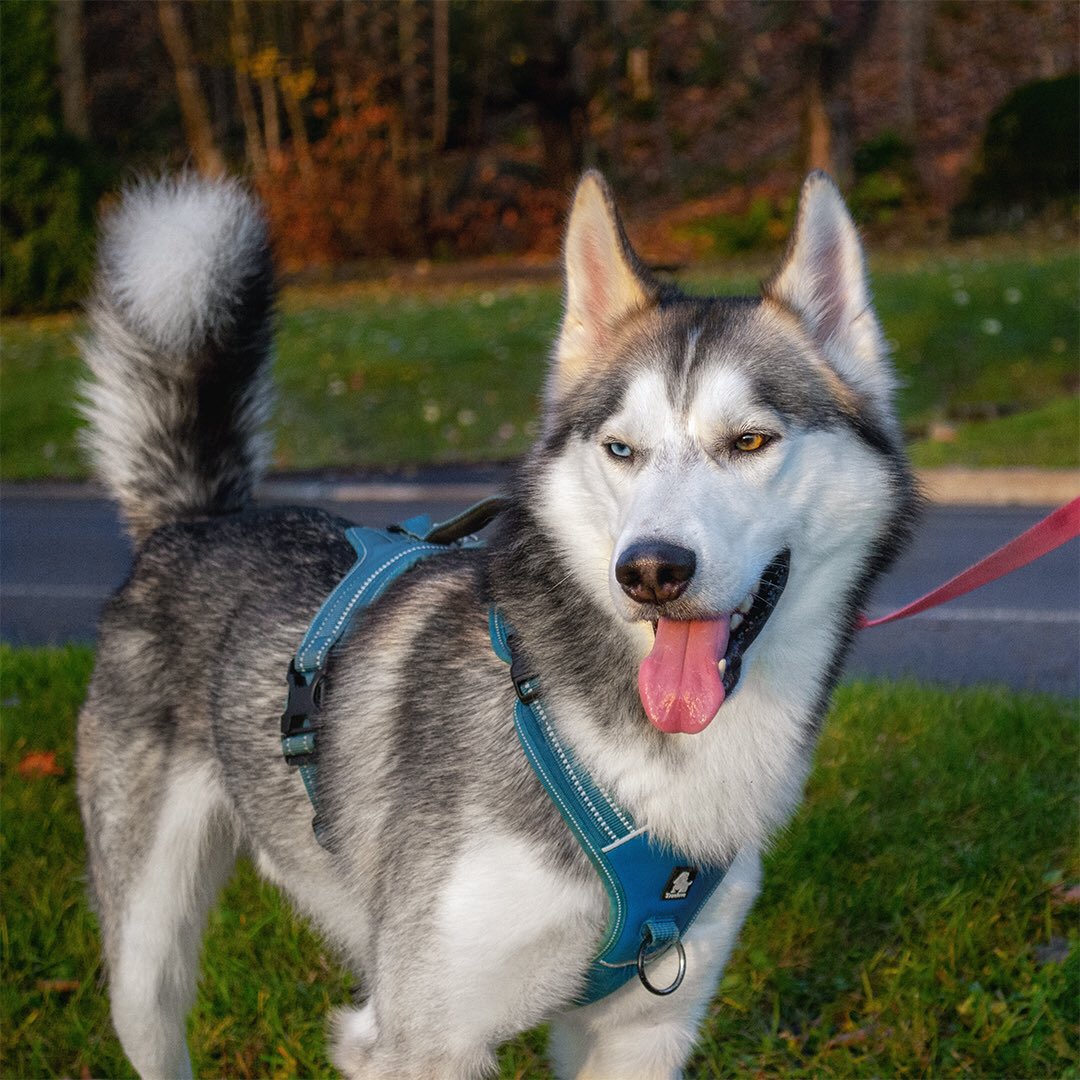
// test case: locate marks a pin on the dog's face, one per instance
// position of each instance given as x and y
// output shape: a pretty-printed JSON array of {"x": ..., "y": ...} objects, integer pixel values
[{"x": 702, "y": 457}]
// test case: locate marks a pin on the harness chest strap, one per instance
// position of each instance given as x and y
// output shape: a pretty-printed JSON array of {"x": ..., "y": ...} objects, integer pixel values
[{"x": 654, "y": 893}]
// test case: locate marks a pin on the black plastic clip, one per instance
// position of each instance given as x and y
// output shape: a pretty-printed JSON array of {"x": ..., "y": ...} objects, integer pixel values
[
  {"x": 301, "y": 708},
  {"x": 526, "y": 683}
]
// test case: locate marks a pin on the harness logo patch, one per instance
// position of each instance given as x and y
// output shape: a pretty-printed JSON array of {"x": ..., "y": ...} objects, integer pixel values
[{"x": 682, "y": 878}]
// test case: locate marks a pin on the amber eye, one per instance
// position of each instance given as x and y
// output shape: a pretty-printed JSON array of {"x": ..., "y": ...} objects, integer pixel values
[{"x": 751, "y": 441}]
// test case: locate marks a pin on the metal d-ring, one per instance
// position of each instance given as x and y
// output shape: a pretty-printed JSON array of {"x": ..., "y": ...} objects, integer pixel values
[{"x": 676, "y": 982}]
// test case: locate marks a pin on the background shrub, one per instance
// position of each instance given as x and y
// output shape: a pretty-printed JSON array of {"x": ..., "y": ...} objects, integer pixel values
[
  {"x": 51, "y": 180},
  {"x": 1030, "y": 157},
  {"x": 885, "y": 179}
]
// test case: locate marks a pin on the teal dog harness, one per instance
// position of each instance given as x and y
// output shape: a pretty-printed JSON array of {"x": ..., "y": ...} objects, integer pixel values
[
  {"x": 654, "y": 892},
  {"x": 382, "y": 555}
]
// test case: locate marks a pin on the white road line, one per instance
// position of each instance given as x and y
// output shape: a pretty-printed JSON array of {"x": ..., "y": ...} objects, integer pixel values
[
  {"x": 948, "y": 486},
  {"x": 52, "y": 592},
  {"x": 991, "y": 615}
]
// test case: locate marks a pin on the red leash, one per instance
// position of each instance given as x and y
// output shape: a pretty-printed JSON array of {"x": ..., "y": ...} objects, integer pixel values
[{"x": 1050, "y": 533}]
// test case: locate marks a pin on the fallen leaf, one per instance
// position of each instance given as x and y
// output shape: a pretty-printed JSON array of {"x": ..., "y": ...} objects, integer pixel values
[
  {"x": 848, "y": 1038},
  {"x": 858, "y": 1036},
  {"x": 40, "y": 763},
  {"x": 1062, "y": 895}
]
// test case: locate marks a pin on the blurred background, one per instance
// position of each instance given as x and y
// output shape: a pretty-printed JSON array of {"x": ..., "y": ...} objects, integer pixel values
[
  {"x": 443, "y": 129},
  {"x": 416, "y": 159}
]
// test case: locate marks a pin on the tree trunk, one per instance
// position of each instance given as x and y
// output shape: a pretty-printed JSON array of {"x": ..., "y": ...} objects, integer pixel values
[
  {"x": 912, "y": 44},
  {"x": 617, "y": 12},
  {"x": 345, "y": 61},
  {"x": 665, "y": 163},
  {"x": 408, "y": 58},
  {"x": 301, "y": 146},
  {"x": 240, "y": 39},
  {"x": 818, "y": 127},
  {"x": 193, "y": 107},
  {"x": 478, "y": 104},
  {"x": 555, "y": 71},
  {"x": 840, "y": 30},
  {"x": 441, "y": 75},
  {"x": 69, "y": 55},
  {"x": 271, "y": 123},
  {"x": 408, "y": 64}
]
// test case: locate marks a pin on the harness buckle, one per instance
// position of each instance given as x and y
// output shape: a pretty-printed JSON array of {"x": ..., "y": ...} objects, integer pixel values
[
  {"x": 301, "y": 708},
  {"x": 526, "y": 684}
]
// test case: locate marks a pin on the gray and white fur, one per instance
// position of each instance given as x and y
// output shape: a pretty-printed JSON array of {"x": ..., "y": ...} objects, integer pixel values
[
  {"x": 179, "y": 352},
  {"x": 448, "y": 882}
]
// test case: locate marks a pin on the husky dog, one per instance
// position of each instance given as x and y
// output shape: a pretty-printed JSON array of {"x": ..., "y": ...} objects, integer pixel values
[{"x": 688, "y": 446}]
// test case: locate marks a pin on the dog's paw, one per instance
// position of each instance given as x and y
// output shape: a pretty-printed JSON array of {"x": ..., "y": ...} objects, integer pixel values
[
  {"x": 357, "y": 1050},
  {"x": 353, "y": 1033}
]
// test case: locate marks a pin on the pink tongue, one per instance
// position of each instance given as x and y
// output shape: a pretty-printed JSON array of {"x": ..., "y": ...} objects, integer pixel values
[{"x": 679, "y": 681}]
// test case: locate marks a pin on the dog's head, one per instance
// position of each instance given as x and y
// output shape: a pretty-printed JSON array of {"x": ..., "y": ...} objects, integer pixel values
[{"x": 699, "y": 453}]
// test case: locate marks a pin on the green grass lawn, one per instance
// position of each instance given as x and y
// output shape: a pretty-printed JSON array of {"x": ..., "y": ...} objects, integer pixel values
[
  {"x": 919, "y": 917},
  {"x": 371, "y": 376}
]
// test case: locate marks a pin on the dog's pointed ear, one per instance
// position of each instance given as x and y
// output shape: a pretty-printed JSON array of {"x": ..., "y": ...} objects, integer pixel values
[
  {"x": 605, "y": 282},
  {"x": 823, "y": 282}
]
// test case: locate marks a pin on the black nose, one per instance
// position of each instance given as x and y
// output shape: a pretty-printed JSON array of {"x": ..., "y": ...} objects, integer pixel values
[{"x": 653, "y": 572}]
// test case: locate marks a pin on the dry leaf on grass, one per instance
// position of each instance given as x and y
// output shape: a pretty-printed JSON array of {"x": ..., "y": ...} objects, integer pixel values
[{"x": 40, "y": 763}]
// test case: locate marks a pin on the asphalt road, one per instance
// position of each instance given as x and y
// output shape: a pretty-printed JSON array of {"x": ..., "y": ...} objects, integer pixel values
[{"x": 62, "y": 552}]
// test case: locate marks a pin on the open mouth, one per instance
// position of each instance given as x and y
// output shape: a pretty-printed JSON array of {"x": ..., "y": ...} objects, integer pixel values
[
  {"x": 750, "y": 617},
  {"x": 696, "y": 663}
]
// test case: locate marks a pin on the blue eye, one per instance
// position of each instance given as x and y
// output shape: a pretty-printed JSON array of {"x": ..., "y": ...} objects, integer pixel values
[{"x": 620, "y": 450}]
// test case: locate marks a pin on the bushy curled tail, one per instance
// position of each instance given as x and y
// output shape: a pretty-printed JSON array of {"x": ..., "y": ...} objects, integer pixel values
[{"x": 179, "y": 351}]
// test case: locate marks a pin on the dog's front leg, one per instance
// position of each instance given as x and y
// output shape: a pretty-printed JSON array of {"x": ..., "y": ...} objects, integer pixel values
[
  {"x": 503, "y": 942},
  {"x": 635, "y": 1035}
]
